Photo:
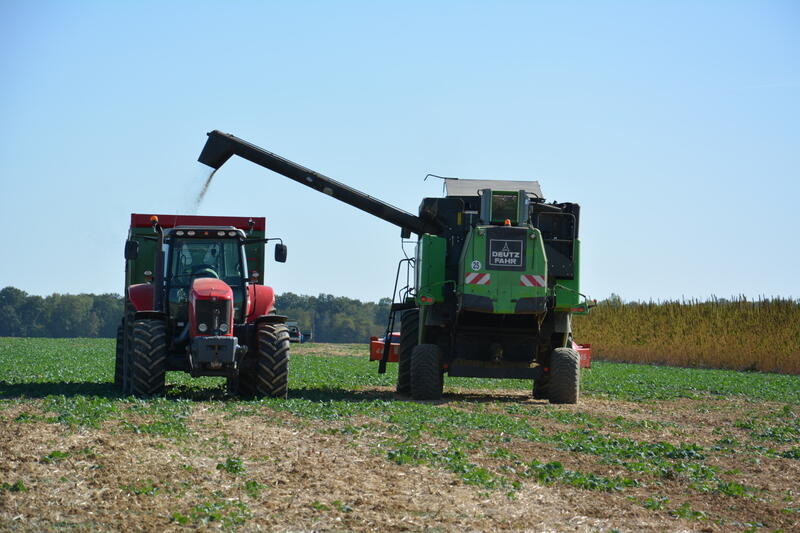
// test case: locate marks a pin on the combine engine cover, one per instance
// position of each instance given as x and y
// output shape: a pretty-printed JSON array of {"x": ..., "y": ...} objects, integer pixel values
[
  {"x": 504, "y": 271},
  {"x": 213, "y": 344}
]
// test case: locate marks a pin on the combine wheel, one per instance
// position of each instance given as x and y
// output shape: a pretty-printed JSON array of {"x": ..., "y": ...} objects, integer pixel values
[
  {"x": 540, "y": 389},
  {"x": 426, "y": 372},
  {"x": 409, "y": 335},
  {"x": 565, "y": 376},
  {"x": 119, "y": 361},
  {"x": 148, "y": 358},
  {"x": 272, "y": 363}
]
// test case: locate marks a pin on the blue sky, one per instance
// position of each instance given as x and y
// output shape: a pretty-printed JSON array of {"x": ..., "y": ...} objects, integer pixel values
[{"x": 675, "y": 125}]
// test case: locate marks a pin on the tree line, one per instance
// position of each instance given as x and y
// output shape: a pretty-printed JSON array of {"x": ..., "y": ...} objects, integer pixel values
[{"x": 329, "y": 318}]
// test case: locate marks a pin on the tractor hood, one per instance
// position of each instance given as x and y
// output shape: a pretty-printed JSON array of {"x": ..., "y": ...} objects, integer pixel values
[
  {"x": 210, "y": 289},
  {"x": 210, "y": 308}
]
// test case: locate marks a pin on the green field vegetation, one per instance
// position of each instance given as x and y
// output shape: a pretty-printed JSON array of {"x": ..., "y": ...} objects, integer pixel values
[
  {"x": 482, "y": 434},
  {"x": 761, "y": 335},
  {"x": 736, "y": 334}
]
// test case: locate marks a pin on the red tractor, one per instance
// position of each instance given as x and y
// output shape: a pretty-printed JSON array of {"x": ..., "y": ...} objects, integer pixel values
[{"x": 195, "y": 302}]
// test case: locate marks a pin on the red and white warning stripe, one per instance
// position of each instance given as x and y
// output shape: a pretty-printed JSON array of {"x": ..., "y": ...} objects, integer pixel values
[
  {"x": 527, "y": 280},
  {"x": 476, "y": 278}
]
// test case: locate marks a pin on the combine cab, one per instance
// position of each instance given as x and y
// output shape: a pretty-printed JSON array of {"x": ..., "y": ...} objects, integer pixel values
[{"x": 195, "y": 302}]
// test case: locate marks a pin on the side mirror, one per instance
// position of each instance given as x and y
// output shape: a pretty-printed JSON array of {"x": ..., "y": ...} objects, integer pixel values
[
  {"x": 131, "y": 250},
  {"x": 280, "y": 253}
]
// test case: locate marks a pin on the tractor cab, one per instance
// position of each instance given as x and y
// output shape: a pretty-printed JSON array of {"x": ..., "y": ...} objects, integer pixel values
[
  {"x": 196, "y": 302},
  {"x": 205, "y": 264}
]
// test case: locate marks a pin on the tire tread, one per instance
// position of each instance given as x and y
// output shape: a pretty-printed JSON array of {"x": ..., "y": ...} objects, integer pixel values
[
  {"x": 148, "y": 358},
  {"x": 564, "y": 382},
  {"x": 426, "y": 372},
  {"x": 409, "y": 336}
]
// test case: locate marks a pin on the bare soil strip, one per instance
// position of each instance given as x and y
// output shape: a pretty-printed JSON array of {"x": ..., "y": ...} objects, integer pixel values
[{"x": 295, "y": 474}]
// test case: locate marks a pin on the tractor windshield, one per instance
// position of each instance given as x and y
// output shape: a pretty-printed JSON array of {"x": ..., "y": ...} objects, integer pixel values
[
  {"x": 190, "y": 259},
  {"x": 206, "y": 258}
]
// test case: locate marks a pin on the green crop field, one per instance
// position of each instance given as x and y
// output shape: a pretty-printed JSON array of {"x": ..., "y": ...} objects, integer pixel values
[{"x": 649, "y": 448}]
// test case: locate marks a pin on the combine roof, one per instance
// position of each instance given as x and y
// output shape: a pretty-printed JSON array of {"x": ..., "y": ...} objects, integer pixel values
[{"x": 459, "y": 187}]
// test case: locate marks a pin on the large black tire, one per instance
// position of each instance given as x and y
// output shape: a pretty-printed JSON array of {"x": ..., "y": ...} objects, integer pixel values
[
  {"x": 540, "y": 391},
  {"x": 409, "y": 337},
  {"x": 119, "y": 362},
  {"x": 272, "y": 363},
  {"x": 245, "y": 383},
  {"x": 127, "y": 346},
  {"x": 565, "y": 376},
  {"x": 426, "y": 372},
  {"x": 148, "y": 357}
]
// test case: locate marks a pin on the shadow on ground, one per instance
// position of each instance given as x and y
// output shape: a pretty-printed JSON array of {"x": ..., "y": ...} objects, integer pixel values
[
  {"x": 219, "y": 393},
  {"x": 41, "y": 390}
]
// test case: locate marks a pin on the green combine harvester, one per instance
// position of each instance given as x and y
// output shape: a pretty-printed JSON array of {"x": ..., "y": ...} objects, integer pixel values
[{"x": 496, "y": 279}]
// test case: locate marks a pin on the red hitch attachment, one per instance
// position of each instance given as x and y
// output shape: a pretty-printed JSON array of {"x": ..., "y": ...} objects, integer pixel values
[
  {"x": 376, "y": 348},
  {"x": 585, "y": 351}
]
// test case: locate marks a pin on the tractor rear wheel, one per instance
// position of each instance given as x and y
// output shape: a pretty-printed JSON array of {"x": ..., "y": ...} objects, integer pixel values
[
  {"x": 119, "y": 361},
  {"x": 148, "y": 358},
  {"x": 565, "y": 376},
  {"x": 272, "y": 362},
  {"x": 409, "y": 336},
  {"x": 127, "y": 345},
  {"x": 426, "y": 372},
  {"x": 245, "y": 383}
]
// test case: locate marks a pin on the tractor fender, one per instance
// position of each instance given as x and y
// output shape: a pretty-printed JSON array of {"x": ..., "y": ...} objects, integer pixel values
[
  {"x": 145, "y": 315},
  {"x": 141, "y": 296},
  {"x": 261, "y": 299},
  {"x": 271, "y": 319}
]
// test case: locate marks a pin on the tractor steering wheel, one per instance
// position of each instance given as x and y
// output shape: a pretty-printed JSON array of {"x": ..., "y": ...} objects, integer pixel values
[{"x": 204, "y": 271}]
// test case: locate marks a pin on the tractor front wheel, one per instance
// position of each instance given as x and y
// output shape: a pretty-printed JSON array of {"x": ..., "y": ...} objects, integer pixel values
[
  {"x": 148, "y": 358},
  {"x": 426, "y": 372},
  {"x": 409, "y": 336},
  {"x": 272, "y": 363},
  {"x": 565, "y": 376}
]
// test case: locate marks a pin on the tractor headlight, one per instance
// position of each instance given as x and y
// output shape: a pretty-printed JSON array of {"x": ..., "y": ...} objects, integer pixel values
[
  {"x": 223, "y": 327},
  {"x": 202, "y": 328}
]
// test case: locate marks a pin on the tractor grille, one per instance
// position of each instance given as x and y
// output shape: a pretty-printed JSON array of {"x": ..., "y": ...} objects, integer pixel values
[{"x": 213, "y": 314}]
